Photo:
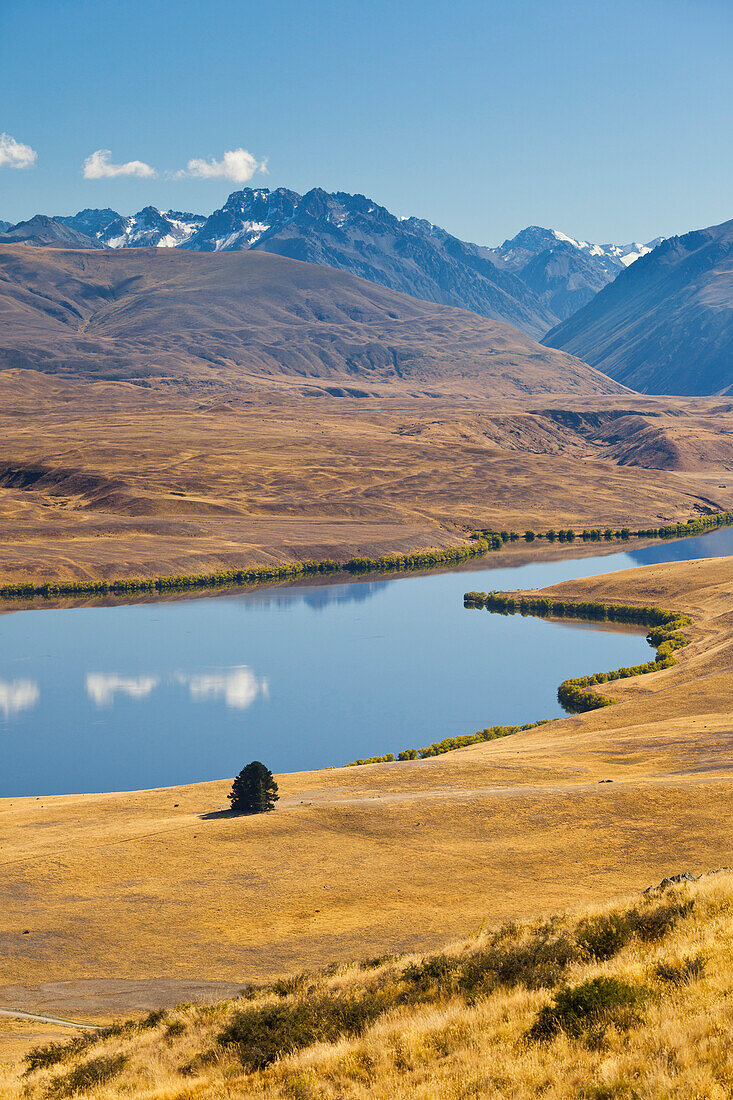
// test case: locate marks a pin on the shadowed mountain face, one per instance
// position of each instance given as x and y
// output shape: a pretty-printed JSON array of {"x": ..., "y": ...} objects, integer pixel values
[
  {"x": 666, "y": 324},
  {"x": 245, "y": 320},
  {"x": 565, "y": 273}
]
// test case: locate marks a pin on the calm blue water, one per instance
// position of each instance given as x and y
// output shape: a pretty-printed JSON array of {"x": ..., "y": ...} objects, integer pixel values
[{"x": 121, "y": 698}]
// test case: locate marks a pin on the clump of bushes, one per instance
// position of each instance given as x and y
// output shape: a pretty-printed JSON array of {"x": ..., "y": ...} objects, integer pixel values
[
  {"x": 51, "y": 1054},
  {"x": 262, "y": 1034},
  {"x": 426, "y": 559},
  {"x": 689, "y": 970},
  {"x": 388, "y": 758},
  {"x": 604, "y": 936},
  {"x": 97, "y": 1071},
  {"x": 448, "y": 744},
  {"x": 588, "y": 1009},
  {"x": 692, "y": 527},
  {"x": 609, "y": 534},
  {"x": 536, "y": 962},
  {"x": 223, "y": 578}
]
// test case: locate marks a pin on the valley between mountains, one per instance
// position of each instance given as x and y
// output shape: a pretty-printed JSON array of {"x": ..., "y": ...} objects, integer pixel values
[{"x": 167, "y": 411}]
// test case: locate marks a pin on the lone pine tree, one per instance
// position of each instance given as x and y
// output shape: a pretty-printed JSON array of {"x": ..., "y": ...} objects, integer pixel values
[{"x": 254, "y": 791}]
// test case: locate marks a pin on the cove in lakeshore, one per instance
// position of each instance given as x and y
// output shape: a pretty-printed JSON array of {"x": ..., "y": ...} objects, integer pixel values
[{"x": 159, "y": 694}]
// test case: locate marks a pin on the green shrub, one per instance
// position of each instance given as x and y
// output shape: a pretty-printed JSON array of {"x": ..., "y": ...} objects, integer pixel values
[
  {"x": 173, "y": 1030},
  {"x": 589, "y": 1007},
  {"x": 689, "y": 970},
  {"x": 534, "y": 963},
  {"x": 97, "y": 1071},
  {"x": 376, "y": 961},
  {"x": 603, "y": 937},
  {"x": 261, "y": 1035},
  {"x": 50, "y": 1054},
  {"x": 388, "y": 758},
  {"x": 654, "y": 924}
]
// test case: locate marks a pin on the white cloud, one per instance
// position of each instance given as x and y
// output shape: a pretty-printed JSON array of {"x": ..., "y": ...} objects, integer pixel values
[
  {"x": 14, "y": 154},
  {"x": 103, "y": 686},
  {"x": 236, "y": 165},
  {"x": 238, "y": 687},
  {"x": 16, "y": 695},
  {"x": 98, "y": 167}
]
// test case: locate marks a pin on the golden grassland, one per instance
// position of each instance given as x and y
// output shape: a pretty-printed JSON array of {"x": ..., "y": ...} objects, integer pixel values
[
  {"x": 116, "y": 903},
  {"x": 628, "y": 1000},
  {"x": 112, "y": 479}
]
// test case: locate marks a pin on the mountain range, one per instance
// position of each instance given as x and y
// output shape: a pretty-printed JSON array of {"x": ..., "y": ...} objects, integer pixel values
[
  {"x": 655, "y": 317},
  {"x": 665, "y": 325},
  {"x": 240, "y": 321},
  {"x": 532, "y": 281}
]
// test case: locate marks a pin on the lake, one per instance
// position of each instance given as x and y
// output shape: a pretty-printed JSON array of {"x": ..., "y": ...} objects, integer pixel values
[{"x": 300, "y": 677}]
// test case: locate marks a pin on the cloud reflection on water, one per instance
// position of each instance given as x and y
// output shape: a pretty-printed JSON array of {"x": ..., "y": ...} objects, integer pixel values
[
  {"x": 238, "y": 687},
  {"x": 103, "y": 686},
  {"x": 17, "y": 695}
]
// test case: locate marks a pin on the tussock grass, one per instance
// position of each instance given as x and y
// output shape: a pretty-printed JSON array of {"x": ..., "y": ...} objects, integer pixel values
[{"x": 628, "y": 1000}]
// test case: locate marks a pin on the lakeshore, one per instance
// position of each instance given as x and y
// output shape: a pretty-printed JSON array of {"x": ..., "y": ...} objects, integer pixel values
[{"x": 523, "y": 825}]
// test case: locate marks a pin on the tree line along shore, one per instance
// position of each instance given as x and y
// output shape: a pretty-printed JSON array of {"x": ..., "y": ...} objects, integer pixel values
[
  {"x": 575, "y": 694},
  {"x": 482, "y": 542}
]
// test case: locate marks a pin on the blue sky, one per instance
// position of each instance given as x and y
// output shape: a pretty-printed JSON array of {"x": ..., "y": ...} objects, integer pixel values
[{"x": 607, "y": 119}]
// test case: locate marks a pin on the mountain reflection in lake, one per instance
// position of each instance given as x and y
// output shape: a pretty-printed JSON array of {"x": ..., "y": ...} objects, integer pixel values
[{"x": 156, "y": 694}]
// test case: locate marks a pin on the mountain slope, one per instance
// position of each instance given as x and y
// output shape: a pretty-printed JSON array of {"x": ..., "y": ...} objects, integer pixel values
[
  {"x": 48, "y": 232},
  {"x": 248, "y": 319},
  {"x": 534, "y": 280},
  {"x": 354, "y": 234},
  {"x": 666, "y": 324},
  {"x": 563, "y": 272},
  {"x": 598, "y": 994}
]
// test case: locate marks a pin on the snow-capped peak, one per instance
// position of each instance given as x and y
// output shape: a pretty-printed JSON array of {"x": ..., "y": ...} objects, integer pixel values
[{"x": 625, "y": 254}]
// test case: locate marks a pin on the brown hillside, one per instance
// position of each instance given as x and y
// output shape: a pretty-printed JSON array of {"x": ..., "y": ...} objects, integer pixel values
[
  {"x": 113, "y": 479},
  {"x": 248, "y": 320},
  {"x": 139, "y": 900}
]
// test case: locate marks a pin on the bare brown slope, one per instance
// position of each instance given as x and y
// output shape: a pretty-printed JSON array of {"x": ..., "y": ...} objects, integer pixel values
[
  {"x": 113, "y": 479},
  {"x": 242, "y": 320}
]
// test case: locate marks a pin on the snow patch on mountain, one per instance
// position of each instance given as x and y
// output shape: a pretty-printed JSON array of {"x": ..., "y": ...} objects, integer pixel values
[{"x": 535, "y": 239}]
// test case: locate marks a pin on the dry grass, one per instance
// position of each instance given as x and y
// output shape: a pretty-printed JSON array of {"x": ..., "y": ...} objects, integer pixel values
[
  {"x": 138, "y": 901},
  {"x": 103, "y": 479},
  {"x": 457, "y": 1024}
]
